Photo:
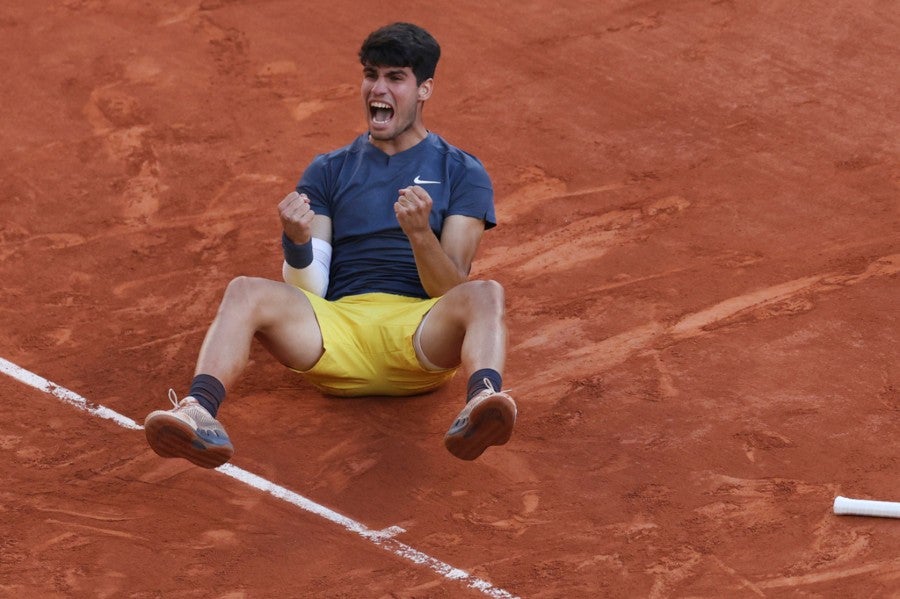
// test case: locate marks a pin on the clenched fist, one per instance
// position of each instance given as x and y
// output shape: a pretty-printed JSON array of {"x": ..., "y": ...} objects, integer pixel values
[
  {"x": 296, "y": 217},
  {"x": 413, "y": 207}
]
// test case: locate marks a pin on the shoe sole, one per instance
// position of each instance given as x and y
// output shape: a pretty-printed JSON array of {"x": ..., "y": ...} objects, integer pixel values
[
  {"x": 490, "y": 423},
  {"x": 170, "y": 437}
]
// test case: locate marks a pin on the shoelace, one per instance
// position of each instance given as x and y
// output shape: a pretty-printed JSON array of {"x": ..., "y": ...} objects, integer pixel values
[
  {"x": 173, "y": 397},
  {"x": 203, "y": 419},
  {"x": 488, "y": 386}
]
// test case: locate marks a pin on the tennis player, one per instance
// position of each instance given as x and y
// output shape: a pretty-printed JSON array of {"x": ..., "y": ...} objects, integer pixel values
[{"x": 378, "y": 241}]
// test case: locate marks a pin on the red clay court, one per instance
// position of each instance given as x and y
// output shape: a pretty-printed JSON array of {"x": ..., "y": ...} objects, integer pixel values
[{"x": 698, "y": 207}]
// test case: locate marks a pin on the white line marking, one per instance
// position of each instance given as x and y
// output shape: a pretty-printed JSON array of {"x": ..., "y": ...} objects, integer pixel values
[
  {"x": 70, "y": 397},
  {"x": 381, "y": 538}
]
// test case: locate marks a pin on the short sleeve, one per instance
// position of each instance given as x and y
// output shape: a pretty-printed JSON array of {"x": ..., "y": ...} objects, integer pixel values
[
  {"x": 314, "y": 183},
  {"x": 472, "y": 194}
]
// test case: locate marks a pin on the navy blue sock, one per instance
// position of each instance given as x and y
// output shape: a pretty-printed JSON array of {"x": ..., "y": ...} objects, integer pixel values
[
  {"x": 476, "y": 382},
  {"x": 208, "y": 391}
]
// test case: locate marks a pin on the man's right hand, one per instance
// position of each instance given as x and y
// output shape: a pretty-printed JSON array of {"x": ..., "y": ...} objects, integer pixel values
[{"x": 296, "y": 217}]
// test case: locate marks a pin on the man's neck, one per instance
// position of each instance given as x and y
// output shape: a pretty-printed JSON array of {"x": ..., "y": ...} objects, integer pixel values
[{"x": 409, "y": 138}]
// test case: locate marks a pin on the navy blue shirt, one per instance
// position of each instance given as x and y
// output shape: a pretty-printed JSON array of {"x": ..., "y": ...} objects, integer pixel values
[{"x": 356, "y": 186}]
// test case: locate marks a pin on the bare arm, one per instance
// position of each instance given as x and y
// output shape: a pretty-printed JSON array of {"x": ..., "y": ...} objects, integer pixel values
[{"x": 445, "y": 263}]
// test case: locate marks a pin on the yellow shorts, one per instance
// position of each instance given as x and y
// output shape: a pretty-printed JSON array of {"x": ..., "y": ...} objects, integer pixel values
[{"x": 369, "y": 350}]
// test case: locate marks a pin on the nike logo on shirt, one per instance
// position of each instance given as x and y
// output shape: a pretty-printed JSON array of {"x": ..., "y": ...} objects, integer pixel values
[{"x": 419, "y": 181}]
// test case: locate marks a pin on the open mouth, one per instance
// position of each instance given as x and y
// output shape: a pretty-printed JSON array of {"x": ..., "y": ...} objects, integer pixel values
[{"x": 380, "y": 112}]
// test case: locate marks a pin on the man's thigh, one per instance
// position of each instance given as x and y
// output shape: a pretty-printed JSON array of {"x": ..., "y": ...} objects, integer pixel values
[
  {"x": 440, "y": 338},
  {"x": 288, "y": 326}
]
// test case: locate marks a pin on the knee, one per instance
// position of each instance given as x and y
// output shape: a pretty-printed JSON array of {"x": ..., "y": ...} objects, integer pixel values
[
  {"x": 242, "y": 293},
  {"x": 488, "y": 295}
]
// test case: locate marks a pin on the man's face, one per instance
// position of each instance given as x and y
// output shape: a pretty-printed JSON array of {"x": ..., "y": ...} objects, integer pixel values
[{"x": 390, "y": 96}]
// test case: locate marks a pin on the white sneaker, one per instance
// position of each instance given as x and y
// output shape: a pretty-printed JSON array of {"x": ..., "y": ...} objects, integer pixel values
[
  {"x": 487, "y": 419},
  {"x": 188, "y": 431}
]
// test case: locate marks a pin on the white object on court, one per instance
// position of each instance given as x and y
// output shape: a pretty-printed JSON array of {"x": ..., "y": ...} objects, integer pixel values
[{"x": 844, "y": 506}]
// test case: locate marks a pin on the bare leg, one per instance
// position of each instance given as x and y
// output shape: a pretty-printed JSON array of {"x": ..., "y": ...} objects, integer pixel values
[
  {"x": 282, "y": 318},
  {"x": 277, "y": 314},
  {"x": 467, "y": 327}
]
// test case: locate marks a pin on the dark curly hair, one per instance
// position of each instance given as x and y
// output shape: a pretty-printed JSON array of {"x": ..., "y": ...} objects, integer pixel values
[{"x": 402, "y": 45}]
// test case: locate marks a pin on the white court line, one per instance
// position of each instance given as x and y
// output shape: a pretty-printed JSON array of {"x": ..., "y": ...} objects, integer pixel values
[{"x": 381, "y": 538}]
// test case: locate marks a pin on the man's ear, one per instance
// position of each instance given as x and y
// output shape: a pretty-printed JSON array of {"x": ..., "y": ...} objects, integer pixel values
[{"x": 425, "y": 89}]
